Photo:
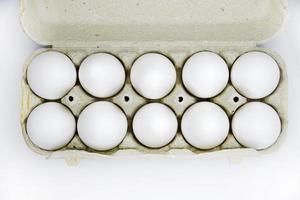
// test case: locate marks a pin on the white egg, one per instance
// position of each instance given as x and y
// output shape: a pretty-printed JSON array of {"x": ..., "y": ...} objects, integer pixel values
[
  {"x": 51, "y": 75},
  {"x": 155, "y": 125},
  {"x": 102, "y": 75},
  {"x": 256, "y": 125},
  {"x": 255, "y": 75},
  {"x": 205, "y": 74},
  {"x": 51, "y": 126},
  {"x": 102, "y": 126},
  {"x": 205, "y": 125},
  {"x": 153, "y": 76}
]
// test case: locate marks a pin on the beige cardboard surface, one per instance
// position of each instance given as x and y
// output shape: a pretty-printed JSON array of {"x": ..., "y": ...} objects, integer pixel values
[{"x": 91, "y": 22}]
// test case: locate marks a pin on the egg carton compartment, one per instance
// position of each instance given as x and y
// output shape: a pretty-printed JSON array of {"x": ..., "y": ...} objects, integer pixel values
[{"x": 179, "y": 99}]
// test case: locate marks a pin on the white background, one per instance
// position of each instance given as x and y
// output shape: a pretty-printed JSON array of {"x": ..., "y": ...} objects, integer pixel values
[{"x": 25, "y": 175}]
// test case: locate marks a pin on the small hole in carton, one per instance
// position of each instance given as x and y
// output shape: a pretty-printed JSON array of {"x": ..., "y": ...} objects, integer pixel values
[
  {"x": 236, "y": 99},
  {"x": 71, "y": 99},
  {"x": 180, "y": 99},
  {"x": 126, "y": 99}
]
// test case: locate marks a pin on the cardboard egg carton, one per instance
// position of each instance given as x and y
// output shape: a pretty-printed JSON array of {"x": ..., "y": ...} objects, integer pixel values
[{"x": 174, "y": 28}]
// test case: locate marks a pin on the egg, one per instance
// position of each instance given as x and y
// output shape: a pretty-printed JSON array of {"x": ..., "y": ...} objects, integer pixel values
[
  {"x": 102, "y": 126},
  {"x": 153, "y": 75},
  {"x": 51, "y": 75},
  {"x": 102, "y": 75},
  {"x": 51, "y": 126},
  {"x": 256, "y": 125},
  {"x": 205, "y": 74},
  {"x": 155, "y": 125},
  {"x": 205, "y": 125},
  {"x": 255, "y": 75}
]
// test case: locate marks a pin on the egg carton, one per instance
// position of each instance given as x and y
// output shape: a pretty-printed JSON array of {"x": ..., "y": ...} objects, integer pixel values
[
  {"x": 179, "y": 99},
  {"x": 174, "y": 28}
]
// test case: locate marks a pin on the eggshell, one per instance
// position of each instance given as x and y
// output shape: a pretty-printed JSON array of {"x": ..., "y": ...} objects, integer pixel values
[
  {"x": 255, "y": 75},
  {"x": 51, "y": 75},
  {"x": 256, "y": 125},
  {"x": 205, "y": 125},
  {"x": 102, "y": 75},
  {"x": 102, "y": 126},
  {"x": 153, "y": 76},
  {"x": 155, "y": 125},
  {"x": 51, "y": 126},
  {"x": 205, "y": 74}
]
